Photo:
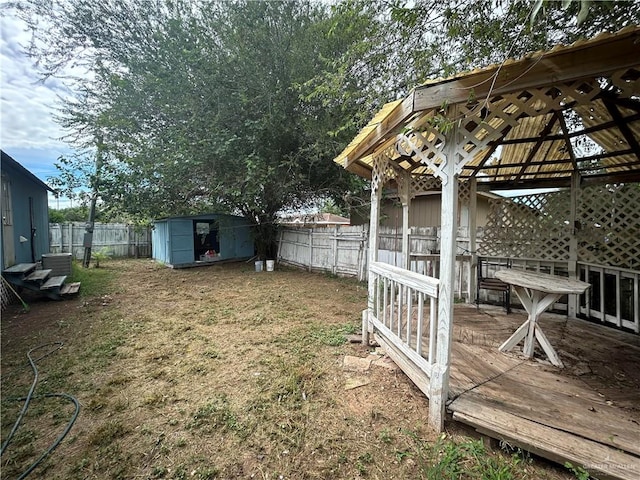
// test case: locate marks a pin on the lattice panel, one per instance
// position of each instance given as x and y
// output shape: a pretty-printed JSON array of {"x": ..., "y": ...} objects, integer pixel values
[
  {"x": 529, "y": 226},
  {"x": 424, "y": 183},
  {"x": 489, "y": 120},
  {"x": 383, "y": 171},
  {"x": 464, "y": 193},
  {"x": 609, "y": 225},
  {"x": 426, "y": 146}
]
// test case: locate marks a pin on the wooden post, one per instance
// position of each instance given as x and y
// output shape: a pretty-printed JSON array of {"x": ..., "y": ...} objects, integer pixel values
[
  {"x": 334, "y": 265},
  {"x": 473, "y": 227},
  {"x": 573, "y": 300},
  {"x": 405, "y": 198},
  {"x": 310, "y": 249},
  {"x": 374, "y": 221},
  {"x": 439, "y": 381}
]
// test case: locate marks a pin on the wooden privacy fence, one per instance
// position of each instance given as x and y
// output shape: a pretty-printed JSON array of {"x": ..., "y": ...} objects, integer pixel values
[
  {"x": 114, "y": 239},
  {"x": 343, "y": 250}
]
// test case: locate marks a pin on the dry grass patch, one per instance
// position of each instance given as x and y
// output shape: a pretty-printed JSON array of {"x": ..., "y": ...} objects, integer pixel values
[{"x": 221, "y": 372}]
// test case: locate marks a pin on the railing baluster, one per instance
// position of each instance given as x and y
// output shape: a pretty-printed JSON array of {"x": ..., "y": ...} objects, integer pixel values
[
  {"x": 433, "y": 328},
  {"x": 400, "y": 304},
  {"x": 419, "y": 328},
  {"x": 409, "y": 313},
  {"x": 386, "y": 301}
]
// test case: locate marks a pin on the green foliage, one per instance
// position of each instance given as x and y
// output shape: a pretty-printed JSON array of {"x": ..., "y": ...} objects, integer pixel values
[
  {"x": 579, "y": 472},
  {"x": 333, "y": 335},
  {"x": 239, "y": 107},
  {"x": 447, "y": 459},
  {"x": 100, "y": 256},
  {"x": 71, "y": 214}
]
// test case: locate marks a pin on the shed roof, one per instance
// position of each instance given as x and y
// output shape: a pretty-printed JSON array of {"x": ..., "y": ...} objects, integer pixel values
[
  {"x": 12, "y": 163},
  {"x": 536, "y": 120}
]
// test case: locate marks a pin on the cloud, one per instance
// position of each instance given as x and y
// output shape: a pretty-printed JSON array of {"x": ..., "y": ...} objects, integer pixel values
[{"x": 27, "y": 105}]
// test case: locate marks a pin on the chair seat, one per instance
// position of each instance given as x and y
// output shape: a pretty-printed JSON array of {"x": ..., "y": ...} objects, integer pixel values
[
  {"x": 485, "y": 282},
  {"x": 493, "y": 284}
]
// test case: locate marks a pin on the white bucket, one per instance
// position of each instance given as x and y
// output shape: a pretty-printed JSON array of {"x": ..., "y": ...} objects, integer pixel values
[
  {"x": 259, "y": 266},
  {"x": 270, "y": 265}
]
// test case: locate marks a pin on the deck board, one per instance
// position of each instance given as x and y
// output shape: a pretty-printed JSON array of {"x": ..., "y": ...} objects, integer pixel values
[
  {"x": 548, "y": 442},
  {"x": 587, "y": 413}
]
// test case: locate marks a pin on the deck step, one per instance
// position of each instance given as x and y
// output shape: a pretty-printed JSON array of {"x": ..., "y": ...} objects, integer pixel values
[
  {"x": 547, "y": 442},
  {"x": 54, "y": 282},
  {"x": 70, "y": 288},
  {"x": 23, "y": 268},
  {"x": 39, "y": 275}
]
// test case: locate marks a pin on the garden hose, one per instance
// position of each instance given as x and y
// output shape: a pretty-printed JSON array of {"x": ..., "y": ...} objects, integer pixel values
[{"x": 27, "y": 401}]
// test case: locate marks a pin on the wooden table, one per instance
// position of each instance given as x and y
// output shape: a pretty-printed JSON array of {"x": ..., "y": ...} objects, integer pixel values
[{"x": 537, "y": 292}]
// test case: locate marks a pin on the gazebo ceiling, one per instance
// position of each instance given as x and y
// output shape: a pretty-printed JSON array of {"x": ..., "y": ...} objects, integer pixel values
[{"x": 528, "y": 122}]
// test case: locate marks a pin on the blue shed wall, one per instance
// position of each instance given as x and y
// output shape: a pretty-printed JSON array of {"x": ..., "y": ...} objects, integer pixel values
[
  {"x": 22, "y": 188},
  {"x": 181, "y": 240}
]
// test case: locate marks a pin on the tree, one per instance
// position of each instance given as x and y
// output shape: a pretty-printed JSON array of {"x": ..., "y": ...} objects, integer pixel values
[
  {"x": 407, "y": 42},
  {"x": 201, "y": 105}
]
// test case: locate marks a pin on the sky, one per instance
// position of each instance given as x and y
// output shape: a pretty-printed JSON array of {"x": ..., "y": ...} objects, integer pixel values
[{"x": 28, "y": 131}]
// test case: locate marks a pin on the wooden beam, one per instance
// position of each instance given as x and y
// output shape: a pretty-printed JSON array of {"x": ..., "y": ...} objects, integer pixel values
[
  {"x": 545, "y": 132},
  {"x": 577, "y": 133},
  {"x": 567, "y": 140},
  {"x": 390, "y": 124},
  {"x": 560, "y": 65},
  {"x": 622, "y": 125}
]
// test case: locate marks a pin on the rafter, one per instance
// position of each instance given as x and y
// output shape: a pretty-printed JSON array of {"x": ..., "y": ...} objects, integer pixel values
[
  {"x": 541, "y": 140},
  {"x": 623, "y": 126}
]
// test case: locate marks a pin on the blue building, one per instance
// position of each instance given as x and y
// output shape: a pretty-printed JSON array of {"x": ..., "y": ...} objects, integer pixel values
[
  {"x": 200, "y": 239},
  {"x": 25, "y": 215}
]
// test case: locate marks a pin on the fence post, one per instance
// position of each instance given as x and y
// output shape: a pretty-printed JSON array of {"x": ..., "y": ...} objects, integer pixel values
[{"x": 310, "y": 249}]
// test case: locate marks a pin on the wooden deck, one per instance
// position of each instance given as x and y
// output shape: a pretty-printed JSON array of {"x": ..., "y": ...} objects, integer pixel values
[{"x": 587, "y": 413}]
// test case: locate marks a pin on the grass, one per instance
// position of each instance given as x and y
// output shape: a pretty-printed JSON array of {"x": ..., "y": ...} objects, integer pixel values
[
  {"x": 94, "y": 282},
  {"x": 220, "y": 372}
]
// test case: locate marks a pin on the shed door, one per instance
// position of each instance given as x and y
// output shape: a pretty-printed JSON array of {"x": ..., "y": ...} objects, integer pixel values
[
  {"x": 205, "y": 237},
  {"x": 8, "y": 246}
]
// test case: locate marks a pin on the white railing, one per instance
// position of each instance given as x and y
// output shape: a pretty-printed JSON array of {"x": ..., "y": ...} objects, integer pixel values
[
  {"x": 614, "y": 296},
  {"x": 397, "y": 312}
]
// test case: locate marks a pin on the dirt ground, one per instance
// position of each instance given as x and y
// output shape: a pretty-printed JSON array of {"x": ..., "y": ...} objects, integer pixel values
[{"x": 218, "y": 372}]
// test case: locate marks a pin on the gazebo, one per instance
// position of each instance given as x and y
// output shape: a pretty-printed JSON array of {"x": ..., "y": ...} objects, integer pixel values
[{"x": 565, "y": 119}]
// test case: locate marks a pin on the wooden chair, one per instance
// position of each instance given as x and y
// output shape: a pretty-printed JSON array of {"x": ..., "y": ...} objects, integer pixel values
[{"x": 485, "y": 282}]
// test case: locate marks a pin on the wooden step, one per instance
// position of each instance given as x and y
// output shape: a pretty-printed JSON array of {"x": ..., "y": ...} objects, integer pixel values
[
  {"x": 559, "y": 446},
  {"x": 70, "y": 288},
  {"x": 54, "y": 282},
  {"x": 39, "y": 275},
  {"x": 20, "y": 268}
]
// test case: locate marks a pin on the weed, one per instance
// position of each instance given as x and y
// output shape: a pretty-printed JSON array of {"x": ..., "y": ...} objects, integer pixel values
[
  {"x": 332, "y": 335},
  {"x": 579, "y": 472},
  {"x": 180, "y": 473},
  {"x": 159, "y": 471},
  {"x": 211, "y": 353},
  {"x": 207, "y": 473},
  {"x": 385, "y": 436},
  {"x": 217, "y": 415},
  {"x": 107, "y": 433},
  {"x": 101, "y": 256}
]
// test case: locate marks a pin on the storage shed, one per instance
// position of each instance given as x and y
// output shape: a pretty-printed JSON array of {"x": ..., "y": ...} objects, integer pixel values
[
  {"x": 190, "y": 241},
  {"x": 25, "y": 214}
]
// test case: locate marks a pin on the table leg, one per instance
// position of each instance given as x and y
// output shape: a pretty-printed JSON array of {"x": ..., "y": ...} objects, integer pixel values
[
  {"x": 514, "y": 339},
  {"x": 535, "y": 303},
  {"x": 548, "y": 349}
]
